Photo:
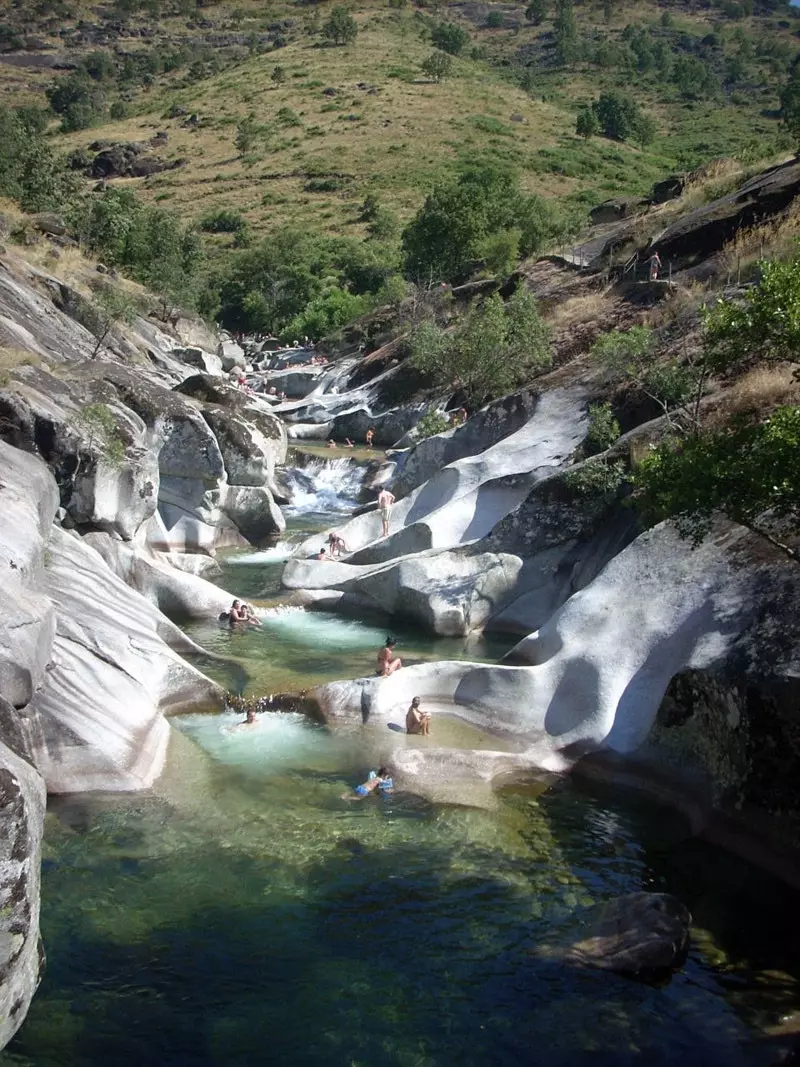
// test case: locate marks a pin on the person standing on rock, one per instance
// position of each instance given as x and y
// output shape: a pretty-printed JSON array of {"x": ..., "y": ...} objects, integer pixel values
[
  {"x": 385, "y": 501},
  {"x": 655, "y": 266},
  {"x": 388, "y": 663}
]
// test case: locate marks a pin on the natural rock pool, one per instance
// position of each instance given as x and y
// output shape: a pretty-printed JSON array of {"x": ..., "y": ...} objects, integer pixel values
[{"x": 242, "y": 913}]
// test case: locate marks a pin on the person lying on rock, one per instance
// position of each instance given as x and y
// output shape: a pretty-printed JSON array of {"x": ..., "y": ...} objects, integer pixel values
[
  {"x": 388, "y": 663},
  {"x": 418, "y": 721},
  {"x": 379, "y": 781},
  {"x": 336, "y": 545}
]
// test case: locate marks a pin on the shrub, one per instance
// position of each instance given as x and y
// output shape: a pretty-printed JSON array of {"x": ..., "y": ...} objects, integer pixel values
[
  {"x": 341, "y": 27},
  {"x": 603, "y": 429},
  {"x": 587, "y": 124},
  {"x": 495, "y": 20},
  {"x": 224, "y": 220},
  {"x": 431, "y": 423},
  {"x": 617, "y": 115},
  {"x": 490, "y": 352},
  {"x": 596, "y": 478},
  {"x": 438, "y": 65},
  {"x": 536, "y": 12},
  {"x": 449, "y": 37}
]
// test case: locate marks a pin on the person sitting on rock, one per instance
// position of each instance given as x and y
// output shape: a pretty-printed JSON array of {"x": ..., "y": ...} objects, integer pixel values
[
  {"x": 379, "y": 781},
  {"x": 388, "y": 663},
  {"x": 330, "y": 443},
  {"x": 336, "y": 545},
  {"x": 417, "y": 721}
]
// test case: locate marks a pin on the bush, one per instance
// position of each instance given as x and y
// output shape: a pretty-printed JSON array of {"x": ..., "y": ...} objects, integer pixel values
[
  {"x": 536, "y": 12},
  {"x": 587, "y": 124},
  {"x": 438, "y": 65},
  {"x": 224, "y": 220},
  {"x": 490, "y": 352},
  {"x": 29, "y": 172},
  {"x": 603, "y": 429},
  {"x": 77, "y": 99},
  {"x": 495, "y": 20},
  {"x": 341, "y": 27},
  {"x": 617, "y": 115},
  {"x": 449, "y": 37},
  {"x": 596, "y": 478},
  {"x": 431, "y": 423}
]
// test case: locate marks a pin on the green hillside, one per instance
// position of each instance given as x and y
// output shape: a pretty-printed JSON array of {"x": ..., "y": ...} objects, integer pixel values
[{"x": 269, "y": 120}]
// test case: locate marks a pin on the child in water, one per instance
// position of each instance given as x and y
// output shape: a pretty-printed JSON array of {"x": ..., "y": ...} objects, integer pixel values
[{"x": 380, "y": 781}]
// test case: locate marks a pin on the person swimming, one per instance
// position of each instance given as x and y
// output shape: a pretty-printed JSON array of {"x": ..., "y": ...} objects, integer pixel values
[
  {"x": 388, "y": 663},
  {"x": 379, "y": 781}
]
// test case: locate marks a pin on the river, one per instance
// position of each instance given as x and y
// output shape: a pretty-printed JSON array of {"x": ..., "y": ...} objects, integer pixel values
[{"x": 243, "y": 913}]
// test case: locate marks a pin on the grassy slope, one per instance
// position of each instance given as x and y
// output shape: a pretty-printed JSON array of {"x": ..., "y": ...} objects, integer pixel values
[{"x": 398, "y": 133}]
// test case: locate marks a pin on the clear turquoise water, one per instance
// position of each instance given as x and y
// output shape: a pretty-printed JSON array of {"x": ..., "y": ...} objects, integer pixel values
[{"x": 243, "y": 913}]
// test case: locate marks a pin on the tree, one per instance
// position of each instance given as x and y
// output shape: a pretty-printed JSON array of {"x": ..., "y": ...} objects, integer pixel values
[
  {"x": 644, "y": 130},
  {"x": 438, "y": 65},
  {"x": 459, "y": 215},
  {"x": 278, "y": 76},
  {"x": 491, "y": 351},
  {"x": 565, "y": 31},
  {"x": 536, "y": 12},
  {"x": 617, "y": 115},
  {"x": 587, "y": 123},
  {"x": 790, "y": 104},
  {"x": 449, "y": 37},
  {"x": 341, "y": 27},
  {"x": 77, "y": 99},
  {"x": 744, "y": 470},
  {"x": 246, "y": 135},
  {"x": 112, "y": 306},
  {"x": 495, "y": 20},
  {"x": 29, "y": 172}
]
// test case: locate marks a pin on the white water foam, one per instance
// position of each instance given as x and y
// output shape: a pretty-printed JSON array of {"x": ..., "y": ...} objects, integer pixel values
[
  {"x": 283, "y": 550},
  {"x": 321, "y": 629},
  {"x": 325, "y": 485}
]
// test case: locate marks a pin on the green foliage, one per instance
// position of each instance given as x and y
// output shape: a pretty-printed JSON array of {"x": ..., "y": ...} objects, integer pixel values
[
  {"x": 278, "y": 75},
  {"x": 596, "y": 478},
  {"x": 693, "y": 77},
  {"x": 324, "y": 314},
  {"x": 603, "y": 429},
  {"x": 790, "y": 105},
  {"x": 618, "y": 115},
  {"x": 742, "y": 470},
  {"x": 247, "y": 133},
  {"x": 341, "y": 27},
  {"x": 565, "y": 33},
  {"x": 765, "y": 325},
  {"x": 223, "y": 220},
  {"x": 77, "y": 98},
  {"x": 459, "y": 217},
  {"x": 587, "y": 124},
  {"x": 536, "y": 12},
  {"x": 490, "y": 352},
  {"x": 495, "y": 20},
  {"x": 438, "y": 65},
  {"x": 112, "y": 305},
  {"x": 500, "y": 252},
  {"x": 627, "y": 352},
  {"x": 29, "y": 171},
  {"x": 101, "y": 423},
  {"x": 431, "y": 423},
  {"x": 449, "y": 37}
]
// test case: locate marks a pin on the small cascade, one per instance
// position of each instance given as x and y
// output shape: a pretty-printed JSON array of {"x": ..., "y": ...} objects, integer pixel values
[{"x": 325, "y": 485}]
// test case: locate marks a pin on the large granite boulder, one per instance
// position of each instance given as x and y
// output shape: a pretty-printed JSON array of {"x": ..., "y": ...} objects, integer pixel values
[
  {"x": 111, "y": 678},
  {"x": 231, "y": 355},
  {"x": 22, "y": 807},
  {"x": 206, "y": 362},
  {"x": 641, "y": 934},
  {"x": 252, "y": 442},
  {"x": 254, "y": 513},
  {"x": 28, "y": 500}
]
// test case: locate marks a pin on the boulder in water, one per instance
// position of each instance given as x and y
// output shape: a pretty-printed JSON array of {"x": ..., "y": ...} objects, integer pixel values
[{"x": 642, "y": 934}]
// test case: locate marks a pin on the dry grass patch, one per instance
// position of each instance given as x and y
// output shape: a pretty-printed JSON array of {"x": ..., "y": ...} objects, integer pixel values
[
  {"x": 12, "y": 358},
  {"x": 578, "y": 310},
  {"x": 763, "y": 389}
]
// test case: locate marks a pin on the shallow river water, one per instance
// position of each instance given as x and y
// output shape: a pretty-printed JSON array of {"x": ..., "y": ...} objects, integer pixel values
[{"x": 244, "y": 913}]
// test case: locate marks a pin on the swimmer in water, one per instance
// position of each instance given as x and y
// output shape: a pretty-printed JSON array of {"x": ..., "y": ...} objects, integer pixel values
[{"x": 380, "y": 782}]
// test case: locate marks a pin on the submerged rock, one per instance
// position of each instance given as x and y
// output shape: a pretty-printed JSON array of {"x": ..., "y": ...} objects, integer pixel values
[{"x": 641, "y": 934}]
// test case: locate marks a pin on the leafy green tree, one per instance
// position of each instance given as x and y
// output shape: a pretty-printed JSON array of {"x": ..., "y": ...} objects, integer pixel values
[
  {"x": 113, "y": 306},
  {"x": 449, "y": 37},
  {"x": 790, "y": 104},
  {"x": 341, "y": 27},
  {"x": 247, "y": 132},
  {"x": 693, "y": 77},
  {"x": 491, "y": 351},
  {"x": 603, "y": 430},
  {"x": 565, "y": 32},
  {"x": 587, "y": 124},
  {"x": 528, "y": 81},
  {"x": 278, "y": 76},
  {"x": 536, "y": 12},
  {"x": 29, "y": 171},
  {"x": 618, "y": 115},
  {"x": 644, "y": 130},
  {"x": 431, "y": 423},
  {"x": 501, "y": 251},
  {"x": 77, "y": 99},
  {"x": 764, "y": 326},
  {"x": 743, "y": 470},
  {"x": 459, "y": 215},
  {"x": 438, "y": 65}
]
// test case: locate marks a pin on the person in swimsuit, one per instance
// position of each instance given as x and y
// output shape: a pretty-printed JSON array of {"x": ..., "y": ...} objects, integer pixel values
[
  {"x": 369, "y": 436},
  {"x": 336, "y": 545},
  {"x": 388, "y": 663},
  {"x": 417, "y": 722},
  {"x": 385, "y": 501},
  {"x": 378, "y": 782}
]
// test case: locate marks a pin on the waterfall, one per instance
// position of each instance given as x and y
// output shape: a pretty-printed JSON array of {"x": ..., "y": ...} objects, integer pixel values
[{"x": 325, "y": 485}]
